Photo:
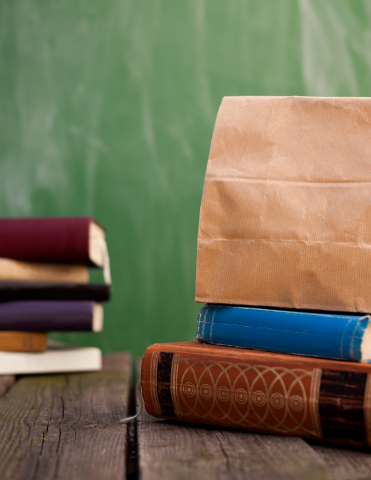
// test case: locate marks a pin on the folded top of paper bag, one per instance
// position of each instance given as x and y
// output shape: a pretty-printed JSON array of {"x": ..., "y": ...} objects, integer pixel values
[{"x": 285, "y": 217}]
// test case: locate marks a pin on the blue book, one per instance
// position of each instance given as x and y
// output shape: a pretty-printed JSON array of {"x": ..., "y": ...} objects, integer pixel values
[{"x": 328, "y": 335}]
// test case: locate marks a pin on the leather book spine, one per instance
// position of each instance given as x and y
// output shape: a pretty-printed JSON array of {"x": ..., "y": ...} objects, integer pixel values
[
  {"x": 23, "y": 342},
  {"x": 259, "y": 391},
  {"x": 63, "y": 239},
  {"x": 11, "y": 291},
  {"x": 46, "y": 316},
  {"x": 328, "y": 335}
]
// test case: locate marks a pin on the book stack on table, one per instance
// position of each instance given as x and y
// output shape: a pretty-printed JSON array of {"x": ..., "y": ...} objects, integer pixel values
[
  {"x": 284, "y": 267},
  {"x": 44, "y": 287}
]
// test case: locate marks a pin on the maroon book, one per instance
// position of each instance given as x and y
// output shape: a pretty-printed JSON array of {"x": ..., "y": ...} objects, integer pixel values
[{"x": 64, "y": 239}]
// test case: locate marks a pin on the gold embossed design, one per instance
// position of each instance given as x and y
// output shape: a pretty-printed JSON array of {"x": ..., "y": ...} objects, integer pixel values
[
  {"x": 153, "y": 382},
  {"x": 259, "y": 397},
  {"x": 314, "y": 399}
]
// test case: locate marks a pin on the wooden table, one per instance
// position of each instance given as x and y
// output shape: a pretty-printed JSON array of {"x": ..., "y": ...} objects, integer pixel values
[{"x": 66, "y": 427}]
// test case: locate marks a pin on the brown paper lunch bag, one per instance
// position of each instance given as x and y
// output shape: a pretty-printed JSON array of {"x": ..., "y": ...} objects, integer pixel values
[{"x": 285, "y": 217}]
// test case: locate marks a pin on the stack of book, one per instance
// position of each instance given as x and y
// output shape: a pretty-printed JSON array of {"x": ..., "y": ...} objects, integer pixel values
[
  {"x": 44, "y": 287},
  {"x": 283, "y": 265}
]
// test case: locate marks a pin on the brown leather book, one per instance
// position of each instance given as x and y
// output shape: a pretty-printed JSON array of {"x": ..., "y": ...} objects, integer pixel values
[
  {"x": 22, "y": 342},
  {"x": 261, "y": 391}
]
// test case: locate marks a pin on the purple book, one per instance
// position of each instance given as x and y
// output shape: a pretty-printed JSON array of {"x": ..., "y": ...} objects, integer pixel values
[{"x": 45, "y": 316}]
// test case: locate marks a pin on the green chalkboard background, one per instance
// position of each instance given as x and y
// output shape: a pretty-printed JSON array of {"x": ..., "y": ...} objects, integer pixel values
[{"x": 107, "y": 109}]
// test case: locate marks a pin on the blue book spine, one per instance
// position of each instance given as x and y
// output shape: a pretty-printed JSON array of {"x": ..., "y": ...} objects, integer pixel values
[{"x": 314, "y": 334}]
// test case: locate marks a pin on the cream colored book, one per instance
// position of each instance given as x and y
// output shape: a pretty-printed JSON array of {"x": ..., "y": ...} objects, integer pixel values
[
  {"x": 58, "y": 358},
  {"x": 17, "y": 271}
]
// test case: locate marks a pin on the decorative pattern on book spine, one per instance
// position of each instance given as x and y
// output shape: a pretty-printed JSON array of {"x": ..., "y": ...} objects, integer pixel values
[{"x": 258, "y": 397}]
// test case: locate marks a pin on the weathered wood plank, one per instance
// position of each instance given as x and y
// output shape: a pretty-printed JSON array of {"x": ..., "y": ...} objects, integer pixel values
[
  {"x": 170, "y": 450},
  {"x": 66, "y": 427},
  {"x": 6, "y": 381},
  {"x": 345, "y": 463}
]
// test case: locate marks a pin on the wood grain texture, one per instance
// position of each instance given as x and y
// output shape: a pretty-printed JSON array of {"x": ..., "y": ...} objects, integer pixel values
[
  {"x": 6, "y": 381},
  {"x": 172, "y": 450},
  {"x": 66, "y": 426},
  {"x": 345, "y": 463}
]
